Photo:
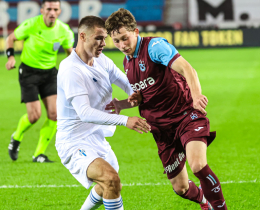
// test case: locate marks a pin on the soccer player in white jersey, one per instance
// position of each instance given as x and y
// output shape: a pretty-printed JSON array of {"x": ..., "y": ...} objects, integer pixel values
[{"x": 84, "y": 90}]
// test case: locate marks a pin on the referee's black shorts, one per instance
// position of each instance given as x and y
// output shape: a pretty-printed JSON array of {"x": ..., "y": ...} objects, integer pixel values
[{"x": 36, "y": 82}]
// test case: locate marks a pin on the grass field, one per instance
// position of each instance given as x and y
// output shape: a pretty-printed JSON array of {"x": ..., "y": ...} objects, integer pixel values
[{"x": 230, "y": 78}]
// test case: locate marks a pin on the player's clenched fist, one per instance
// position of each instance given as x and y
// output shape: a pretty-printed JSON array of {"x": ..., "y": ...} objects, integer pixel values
[
  {"x": 10, "y": 63},
  {"x": 138, "y": 124},
  {"x": 200, "y": 102}
]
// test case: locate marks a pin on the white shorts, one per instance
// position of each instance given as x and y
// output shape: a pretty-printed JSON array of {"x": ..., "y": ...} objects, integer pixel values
[{"x": 77, "y": 158}]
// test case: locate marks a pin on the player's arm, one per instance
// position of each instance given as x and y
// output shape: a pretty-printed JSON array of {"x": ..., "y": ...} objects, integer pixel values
[
  {"x": 185, "y": 69},
  {"x": 88, "y": 114},
  {"x": 68, "y": 51},
  {"x": 10, "y": 51}
]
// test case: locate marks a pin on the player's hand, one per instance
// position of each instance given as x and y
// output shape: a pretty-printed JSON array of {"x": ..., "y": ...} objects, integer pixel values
[
  {"x": 135, "y": 99},
  {"x": 114, "y": 106},
  {"x": 138, "y": 124},
  {"x": 10, "y": 63},
  {"x": 200, "y": 103}
]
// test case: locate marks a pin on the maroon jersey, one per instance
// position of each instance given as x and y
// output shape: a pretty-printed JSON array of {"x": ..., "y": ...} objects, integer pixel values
[{"x": 166, "y": 96}]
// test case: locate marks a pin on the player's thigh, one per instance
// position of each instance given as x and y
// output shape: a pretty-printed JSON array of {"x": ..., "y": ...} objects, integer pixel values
[{"x": 196, "y": 152}]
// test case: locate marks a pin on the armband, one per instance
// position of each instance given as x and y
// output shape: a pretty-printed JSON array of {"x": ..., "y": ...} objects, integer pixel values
[{"x": 10, "y": 52}]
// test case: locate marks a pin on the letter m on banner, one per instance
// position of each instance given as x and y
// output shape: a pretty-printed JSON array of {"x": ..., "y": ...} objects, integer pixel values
[{"x": 226, "y": 7}]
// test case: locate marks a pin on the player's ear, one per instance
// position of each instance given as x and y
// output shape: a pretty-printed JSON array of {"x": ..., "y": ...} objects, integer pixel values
[
  {"x": 82, "y": 36},
  {"x": 136, "y": 31},
  {"x": 41, "y": 10}
]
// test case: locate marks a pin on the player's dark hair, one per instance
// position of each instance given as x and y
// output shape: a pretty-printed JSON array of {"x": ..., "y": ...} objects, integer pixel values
[
  {"x": 91, "y": 21},
  {"x": 120, "y": 18},
  {"x": 43, "y": 1}
]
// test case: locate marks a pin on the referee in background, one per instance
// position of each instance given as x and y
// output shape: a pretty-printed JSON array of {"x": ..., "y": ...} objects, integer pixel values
[{"x": 42, "y": 36}]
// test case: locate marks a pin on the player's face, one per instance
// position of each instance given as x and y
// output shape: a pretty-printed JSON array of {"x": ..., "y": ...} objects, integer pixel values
[
  {"x": 95, "y": 42},
  {"x": 125, "y": 40},
  {"x": 50, "y": 12}
]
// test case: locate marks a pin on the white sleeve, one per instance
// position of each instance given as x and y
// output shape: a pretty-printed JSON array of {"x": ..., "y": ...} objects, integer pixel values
[
  {"x": 90, "y": 115},
  {"x": 119, "y": 78},
  {"x": 123, "y": 83}
]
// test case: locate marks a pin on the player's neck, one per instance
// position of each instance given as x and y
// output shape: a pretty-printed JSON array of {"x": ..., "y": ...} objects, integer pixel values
[
  {"x": 50, "y": 24},
  {"x": 84, "y": 56}
]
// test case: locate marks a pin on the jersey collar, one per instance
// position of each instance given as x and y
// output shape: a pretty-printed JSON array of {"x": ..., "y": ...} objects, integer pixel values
[{"x": 136, "y": 49}]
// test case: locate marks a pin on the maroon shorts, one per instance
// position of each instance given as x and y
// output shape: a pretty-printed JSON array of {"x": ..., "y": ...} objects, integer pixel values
[{"x": 172, "y": 141}]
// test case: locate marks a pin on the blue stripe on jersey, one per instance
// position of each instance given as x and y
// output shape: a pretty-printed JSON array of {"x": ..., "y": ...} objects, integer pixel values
[
  {"x": 161, "y": 51},
  {"x": 137, "y": 47}
]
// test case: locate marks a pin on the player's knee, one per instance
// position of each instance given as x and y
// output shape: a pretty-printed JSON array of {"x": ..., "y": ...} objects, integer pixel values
[
  {"x": 52, "y": 115},
  {"x": 196, "y": 166},
  {"x": 34, "y": 117},
  {"x": 112, "y": 182},
  {"x": 180, "y": 188}
]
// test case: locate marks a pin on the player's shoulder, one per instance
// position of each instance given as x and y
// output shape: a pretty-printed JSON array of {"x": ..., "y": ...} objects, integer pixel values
[
  {"x": 157, "y": 41},
  {"x": 68, "y": 63},
  {"x": 30, "y": 21}
]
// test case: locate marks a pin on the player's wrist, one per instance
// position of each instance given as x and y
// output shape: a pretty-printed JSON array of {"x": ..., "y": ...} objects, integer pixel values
[{"x": 10, "y": 52}]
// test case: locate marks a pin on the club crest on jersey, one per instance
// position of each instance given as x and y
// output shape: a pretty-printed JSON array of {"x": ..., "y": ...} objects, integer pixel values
[{"x": 142, "y": 65}]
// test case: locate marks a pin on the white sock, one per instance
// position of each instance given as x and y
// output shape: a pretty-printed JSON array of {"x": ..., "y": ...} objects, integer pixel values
[
  {"x": 93, "y": 201},
  {"x": 204, "y": 200},
  {"x": 113, "y": 204}
]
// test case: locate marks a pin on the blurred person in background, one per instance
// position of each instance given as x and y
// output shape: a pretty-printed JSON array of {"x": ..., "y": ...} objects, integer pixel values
[
  {"x": 169, "y": 93},
  {"x": 42, "y": 36}
]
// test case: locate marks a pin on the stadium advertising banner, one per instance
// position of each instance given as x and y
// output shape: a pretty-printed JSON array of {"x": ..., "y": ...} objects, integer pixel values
[
  {"x": 224, "y": 13},
  {"x": 190, "y": 39},
  {"x": 217, "y": 38}
]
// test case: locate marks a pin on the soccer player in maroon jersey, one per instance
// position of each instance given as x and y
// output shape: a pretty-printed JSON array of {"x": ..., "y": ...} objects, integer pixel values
[{"x": 172, "y": 103}]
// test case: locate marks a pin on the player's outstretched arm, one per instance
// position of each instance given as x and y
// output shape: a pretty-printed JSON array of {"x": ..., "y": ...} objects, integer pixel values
[
  {"x": 184, "y": 68},
  {"x": 10, "y": 51},
  {"x": 138, "y": 124}
]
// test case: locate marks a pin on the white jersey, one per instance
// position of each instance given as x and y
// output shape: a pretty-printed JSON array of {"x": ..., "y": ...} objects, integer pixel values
[{"x": 76, "y": 78}]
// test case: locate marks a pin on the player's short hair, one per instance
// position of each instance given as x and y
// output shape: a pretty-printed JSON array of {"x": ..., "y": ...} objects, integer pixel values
[
  {"x": 90, "y": 22},
  {"x": 43, "y": 1},
  {"x": 120, "y": 18}
]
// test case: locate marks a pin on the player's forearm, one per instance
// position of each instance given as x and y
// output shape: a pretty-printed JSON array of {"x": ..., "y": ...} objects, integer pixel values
[
  {"x": 124, "y": 104},
  {"x": 10, "y": 41},
  {"x": 193, "y": 81},
  {"x": 90, "y": 115},
  {"x": 124, "y": 84}
]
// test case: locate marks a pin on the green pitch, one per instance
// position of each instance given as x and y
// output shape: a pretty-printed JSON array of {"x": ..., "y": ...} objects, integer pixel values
[{"x": 230, "y": 78}]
